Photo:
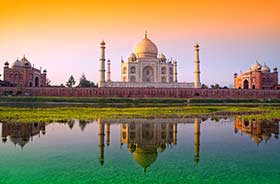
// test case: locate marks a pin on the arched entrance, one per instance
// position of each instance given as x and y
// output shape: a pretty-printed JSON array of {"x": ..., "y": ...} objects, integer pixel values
[
  {"x": 36, "y": 81},
  {"x": 245, "y": 84},
  {"x": 148, "y": 74}
]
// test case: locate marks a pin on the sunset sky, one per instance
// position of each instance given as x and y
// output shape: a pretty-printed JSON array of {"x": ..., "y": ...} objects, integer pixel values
[{"x": 63, "y": 36}]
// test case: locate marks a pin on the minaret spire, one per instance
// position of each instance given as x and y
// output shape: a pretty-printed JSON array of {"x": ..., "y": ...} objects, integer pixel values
[
  {"x": 101, "y": 81},
  {"x": 108, "y": 72},
  {"x": 196, "y": 66},
  {"x": 146, "y": 35}
]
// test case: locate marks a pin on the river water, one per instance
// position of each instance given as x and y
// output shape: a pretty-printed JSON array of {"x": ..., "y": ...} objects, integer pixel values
[{"x": 193, "y": 150}]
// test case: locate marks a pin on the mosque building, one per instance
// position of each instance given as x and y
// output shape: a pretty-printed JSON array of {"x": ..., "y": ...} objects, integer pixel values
[
  {"x": 23, "y": 74},
  {"x": 21, "y": 133},
  {"x": 146, "y": 68},
  {"x": 257, "y": 77},
  {"x": 257, "y": 130}
]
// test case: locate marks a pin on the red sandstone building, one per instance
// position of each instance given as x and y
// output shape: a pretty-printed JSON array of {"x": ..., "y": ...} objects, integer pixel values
[
  {"x": 257, "y": 77},
  {"x": 21, "y": 73}
]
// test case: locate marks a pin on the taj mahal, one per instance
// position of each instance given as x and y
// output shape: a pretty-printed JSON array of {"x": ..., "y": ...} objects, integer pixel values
[{"x": 146, "y": 68}]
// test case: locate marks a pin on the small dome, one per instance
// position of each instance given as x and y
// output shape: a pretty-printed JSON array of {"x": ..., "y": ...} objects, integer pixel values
[
  {"x": 17, "y": 63},
  {"x": 102, "y": 42},
  {"x": 132, "y": 57},
  {"x": 265, "y": 69},
  {"x": 256, "y": 139},
  {"x": 25, "y": 62},
  {"x": 131, "y": 147},
  {"x": 255, "y": 67},
  {"x": 146, "y": 49},
  {"x": 162, "y": 57},
  {"x": 6, "y": 63},
  {"x": 196, "y": 45},
  {"x": 145, "y": 157},
  {"x": 45, "y": 71},
  {"x": 161, "y": 147}
]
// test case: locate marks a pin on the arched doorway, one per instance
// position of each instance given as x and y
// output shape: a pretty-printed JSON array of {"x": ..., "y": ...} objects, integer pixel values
[
  {"x": 132, "y": 79},
  {"x": 36, "y": 81},
  {"x": 148, "y": 74},
  {"x": 245, "y": 84}
]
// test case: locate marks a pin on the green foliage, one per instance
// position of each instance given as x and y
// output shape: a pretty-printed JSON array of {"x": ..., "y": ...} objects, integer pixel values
[
  {"x": 204, "y": 86},
  {"x": 63, "y": 114},
  {"x": 71, "y": 82},
  {"x": 85, "y": 83}
]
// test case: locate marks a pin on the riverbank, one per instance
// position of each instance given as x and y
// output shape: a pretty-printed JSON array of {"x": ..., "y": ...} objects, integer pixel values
[
  {"x": 62, "y": 114},
  {"x": 41, "y": 102}
]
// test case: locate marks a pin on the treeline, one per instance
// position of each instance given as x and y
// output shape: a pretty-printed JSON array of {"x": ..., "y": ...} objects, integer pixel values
[{"x": 83, "y": 82}]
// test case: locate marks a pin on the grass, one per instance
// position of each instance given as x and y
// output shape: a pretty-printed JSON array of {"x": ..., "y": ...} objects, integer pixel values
[
  {"x": 40, "y": 102},
  {"x": 62, "y": 114}
]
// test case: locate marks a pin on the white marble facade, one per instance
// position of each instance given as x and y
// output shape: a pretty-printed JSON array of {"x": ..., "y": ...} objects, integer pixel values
[{"x": 143, "y": 68}]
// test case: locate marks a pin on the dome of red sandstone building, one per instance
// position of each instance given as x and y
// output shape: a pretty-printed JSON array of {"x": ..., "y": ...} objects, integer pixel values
[
  {"x": 265, "y": 69},
  {"x": 255, "y": 67},
  {"x": 17, "y": 63},
  {"x": 25, "y": 62}
]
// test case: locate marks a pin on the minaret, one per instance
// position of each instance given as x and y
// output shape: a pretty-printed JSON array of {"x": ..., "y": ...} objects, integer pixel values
[
  {"x": 102, "y": 65},
  {"x": 101, "y": 135},
  {"x": 108, "y": 72},
  {"x": 107, "y": 130},
  {"x": 175, "y": 71},
  {"x": 174, "y": 133},
  {"x": 196, "y": 139},
  {"x": 196, "y": 66}
]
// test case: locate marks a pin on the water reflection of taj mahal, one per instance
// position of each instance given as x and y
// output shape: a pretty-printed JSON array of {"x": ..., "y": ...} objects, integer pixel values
[{"x": 145, "y": 140}]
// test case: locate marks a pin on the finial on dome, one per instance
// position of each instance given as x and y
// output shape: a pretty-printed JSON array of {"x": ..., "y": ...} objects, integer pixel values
[
  {"x": 102, "y": 42},
  {"x": 146, "y": 34}
]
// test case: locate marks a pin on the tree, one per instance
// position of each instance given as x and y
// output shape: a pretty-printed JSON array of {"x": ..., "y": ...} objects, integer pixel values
[
  {"x": 84, "y": 82},
  {"x": 204, "y": 86},
  {"x": 48, "y": 82},
  {"x": 216, "y": 86},
  {"x": 71, "y": 82}
]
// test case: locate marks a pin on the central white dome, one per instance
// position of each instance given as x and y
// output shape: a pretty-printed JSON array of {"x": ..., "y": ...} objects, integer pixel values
[{"x": 146, "y": 49}]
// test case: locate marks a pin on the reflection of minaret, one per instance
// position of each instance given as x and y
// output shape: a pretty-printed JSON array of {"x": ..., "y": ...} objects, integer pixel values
[
  {"x": 101, "y": 141},
  {"x": 175, "y": 134},
  {"x": 107, "y": 129},
  {"x": 196, "y": 139}
]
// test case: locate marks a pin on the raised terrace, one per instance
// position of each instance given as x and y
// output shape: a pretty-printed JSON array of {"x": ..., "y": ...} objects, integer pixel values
[{"x": 143, "y": 92}]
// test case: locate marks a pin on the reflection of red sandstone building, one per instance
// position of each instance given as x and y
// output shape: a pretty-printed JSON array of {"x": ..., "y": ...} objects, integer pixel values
[
  {"x": 257, "y": 130},
  {"x": 23, "y": 74},
  {"x": 257, "y": 77},
  {"x": 21, "y": 133}
]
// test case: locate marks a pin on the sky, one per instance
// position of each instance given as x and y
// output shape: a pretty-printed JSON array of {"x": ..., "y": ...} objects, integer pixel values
[{"x": 63, "y": 36}]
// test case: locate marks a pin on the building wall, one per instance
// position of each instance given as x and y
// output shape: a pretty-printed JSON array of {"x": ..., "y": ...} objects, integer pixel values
[
  {"x": 135, "y": 71},
  {"x": 257, "y": 80},
  {"x": 25, "y": 77},
  {"x": 145, "y": 92},
  {"x": 148, "y": 85}
]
